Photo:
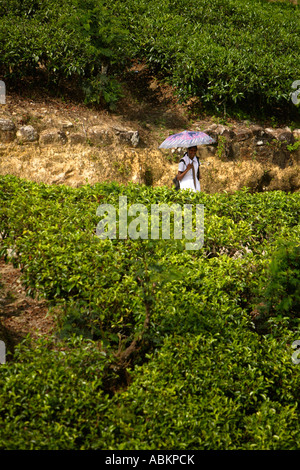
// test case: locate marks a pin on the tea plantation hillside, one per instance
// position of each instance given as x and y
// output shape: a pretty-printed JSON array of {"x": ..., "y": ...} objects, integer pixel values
[
  {"x": 156, "y": 346},
  {"x": 236, "y": 55}
]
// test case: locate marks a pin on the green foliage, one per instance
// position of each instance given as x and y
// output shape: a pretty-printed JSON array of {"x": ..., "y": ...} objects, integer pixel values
[
  {"x": 213, "y": 392},
  {"x": 52, "y": 405},
  {"x": 204, "y": 374},
  {"x": 235, "y": 53},
  {"x": 66, "y": 40},
  {"x": 293, "y": 147},
  {"x": 284, "y": 287},
  {"x": 226, "y": 53},
  {"x": 281, "y": 301}
]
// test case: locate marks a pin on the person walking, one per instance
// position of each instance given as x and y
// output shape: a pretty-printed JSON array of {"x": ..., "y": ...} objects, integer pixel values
[{"x": 189, "y": 170}]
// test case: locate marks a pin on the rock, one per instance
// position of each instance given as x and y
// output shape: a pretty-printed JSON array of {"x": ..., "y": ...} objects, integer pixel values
[
  {"x": 135, "y": 138},
  {"x": 7, "y": 130},
  {"x": 296, "y": 134},
  {"x": 215, "y": 131},
  {"x": 234, "y": 151},
  {"x": 242, "y": 134},
  {"x": 287, "y": 137},
  {"x": 6, "y": 125},
  {"x": 130, "y": 137},
  {"x": 27, "y": 134},
  {"x": 257, "y": 131},
  {"x": 225, "y": 131},
  {"x": 281, "y": 158},
  {"x": 98, "y": 135},
  {"x": 212, "y": 127},
  {"x": 269, "y": 134},
  {"x": 52, "y": 137},
  {"x": 76, "y": 138},
  {"x": 282, "y": 135}
]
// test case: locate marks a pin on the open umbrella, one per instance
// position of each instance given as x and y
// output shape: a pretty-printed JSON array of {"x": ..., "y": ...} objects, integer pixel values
[{"x": 186, "y": 139}]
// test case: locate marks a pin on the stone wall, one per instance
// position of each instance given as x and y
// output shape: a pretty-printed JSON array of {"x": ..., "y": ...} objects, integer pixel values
[
  {"x": 243, "y": 155},
  {"x": 65, "y": 133},
  {"x": 278, "y": 146}
]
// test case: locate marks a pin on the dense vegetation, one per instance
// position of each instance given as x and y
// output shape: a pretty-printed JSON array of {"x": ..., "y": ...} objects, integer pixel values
[
  {"x": 225, "y": 52},
  {"x": 197, "y": 343},
  {"x": 155, "y": 346},
  {"x": 62, "y": 42}
]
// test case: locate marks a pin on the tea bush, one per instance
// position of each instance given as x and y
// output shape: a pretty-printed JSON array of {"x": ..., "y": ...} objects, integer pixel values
[
  {"x": 63, "y": 40},
  {"x": 54, "y": 404},
  {"x": 212, "y": 391},
  {"x": 226, "y": 53},
  {"x": 197, "y": 369},
  {"x": 281, "y": 301},
  {"x": 229, "y": 54}
]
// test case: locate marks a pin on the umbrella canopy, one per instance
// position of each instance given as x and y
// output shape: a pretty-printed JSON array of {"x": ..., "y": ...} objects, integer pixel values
[{"x": 186, "y": 139}]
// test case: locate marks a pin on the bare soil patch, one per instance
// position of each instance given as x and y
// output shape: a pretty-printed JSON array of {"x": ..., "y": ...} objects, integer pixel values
[{"x": 20, "y": 315}]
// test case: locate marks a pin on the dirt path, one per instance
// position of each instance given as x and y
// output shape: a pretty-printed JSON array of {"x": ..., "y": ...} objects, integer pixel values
[{"x": 20, "y": 315}]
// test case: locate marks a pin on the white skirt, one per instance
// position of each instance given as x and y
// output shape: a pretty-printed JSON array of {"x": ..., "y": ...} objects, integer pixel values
[{"x": 188, "y": 183}]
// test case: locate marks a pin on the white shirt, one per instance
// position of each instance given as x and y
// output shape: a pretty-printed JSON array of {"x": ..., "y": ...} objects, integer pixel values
[{"x": 187, "y": 182}]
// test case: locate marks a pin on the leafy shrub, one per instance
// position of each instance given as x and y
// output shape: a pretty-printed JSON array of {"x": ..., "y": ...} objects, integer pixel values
[
  {"x": 235, "y": 53},
  {"x": 170, "y": 329},
  {"x": 211, "y": 392},
  {"x": 226, "y": 53},
  {"x": 51, "y": 395},
  {"x": 281, "y": 300},
  {"x": 66, "y": 40}
]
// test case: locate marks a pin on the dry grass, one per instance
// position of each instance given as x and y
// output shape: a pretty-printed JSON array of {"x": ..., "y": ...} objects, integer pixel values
[
  {"x": 294, "y": 2},
  {"x": 232, "y": 176},
  {"x": 156, "y": 116}
]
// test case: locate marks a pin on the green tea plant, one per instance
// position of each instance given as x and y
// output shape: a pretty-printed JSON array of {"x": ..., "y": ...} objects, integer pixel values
[
  {"x": 63, "y": 40},
  {"x": 281, "y": 301},
  {"x": 62, "y": 392},
  {"x": 155, "y": 346},
  {"x": 236, "y": 54}
]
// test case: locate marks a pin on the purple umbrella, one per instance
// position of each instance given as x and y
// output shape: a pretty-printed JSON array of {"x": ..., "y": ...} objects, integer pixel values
[{"x": 186, "y": 139}]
